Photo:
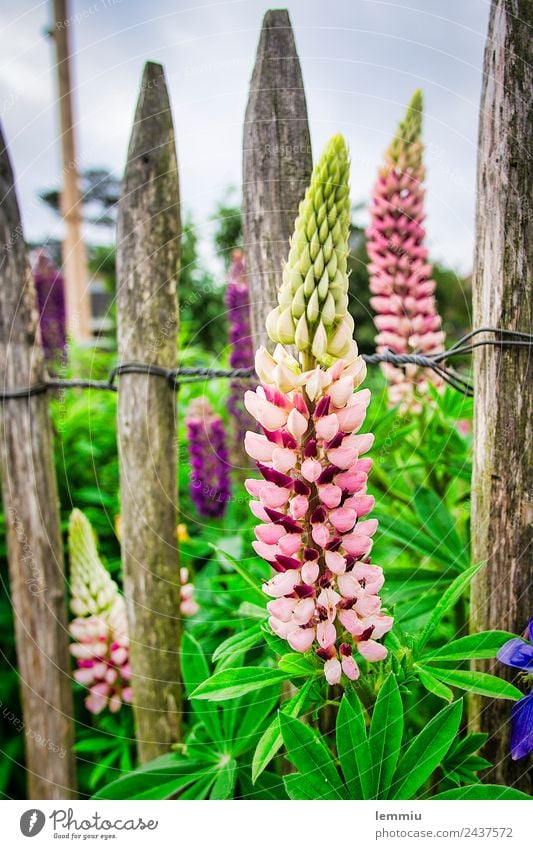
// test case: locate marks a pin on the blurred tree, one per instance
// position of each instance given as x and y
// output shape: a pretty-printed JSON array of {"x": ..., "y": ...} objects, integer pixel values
[{"x": 100, "y": 191}]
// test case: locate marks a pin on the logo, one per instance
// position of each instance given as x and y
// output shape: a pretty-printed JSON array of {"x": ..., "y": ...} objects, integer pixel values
[{"x": 32, "y": 822}]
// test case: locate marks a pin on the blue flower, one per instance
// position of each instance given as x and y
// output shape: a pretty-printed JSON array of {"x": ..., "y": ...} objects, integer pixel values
[{"x": 519, "y": 654}]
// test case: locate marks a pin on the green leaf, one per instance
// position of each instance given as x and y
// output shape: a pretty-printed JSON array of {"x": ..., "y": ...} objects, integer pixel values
[
  {"x": 296, "y": 665},
  {"x": 227, "y": 559},
  {"x": 225, "y": 781},
  {"x": 232, "y": 683},
  {"x": 305, "y": 788},
  {"x": 426, "y": 752},
  {"x": 411, "y": 535},
  {"x": 311, "y": 757},
  {"x": 195, "y": 670},
  {"x": 158, "y": 779},
  {"x": 253, "y": 711},
  {"x": 441, "y": 525},
  {"x": 482, "y": 791},
  {"x": 385, "y": 737},
  {"x": 353, "y": 749},
  {"x": 484, "y": 645},
  {"x": 478, "y": 682},
  {"x": 432, "y": 684},
  {"x": 271, "y": 740},
  {"x": 447, "y": 601},
  {"x": 238, "y": 643}
]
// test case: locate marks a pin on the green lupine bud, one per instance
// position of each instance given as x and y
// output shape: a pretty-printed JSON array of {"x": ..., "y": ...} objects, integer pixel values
[
  {"x": 301, "y": 337},
  {"x": 313, "y": 297},
  {"x": 298, "y": 303},
  {"x": 323, "y": 286},
  {"x": 272, "y": 324},
  {"x": 406, "y": 149},
  {"x": 92, "y": 589},
  {"x": 313, "y": 308}
]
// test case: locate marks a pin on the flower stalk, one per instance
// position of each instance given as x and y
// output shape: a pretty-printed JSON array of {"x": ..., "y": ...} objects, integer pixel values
[
  {"x": 312, "y": 501},
  {"x": 406, "y": 317}
]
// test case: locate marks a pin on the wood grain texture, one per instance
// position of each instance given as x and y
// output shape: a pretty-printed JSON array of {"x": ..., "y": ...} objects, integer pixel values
[
  {"x": 148, "y": 247},
  {"x": 277, "y": 163},
  {"x": 35, "y": 553},
  {"x": 502, "y": 487}
]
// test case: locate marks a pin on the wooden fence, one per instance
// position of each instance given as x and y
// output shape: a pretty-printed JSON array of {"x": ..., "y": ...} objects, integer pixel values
[{"x": 276, "y": 168}]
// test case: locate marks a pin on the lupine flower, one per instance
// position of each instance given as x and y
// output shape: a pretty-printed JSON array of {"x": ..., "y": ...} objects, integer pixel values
[
  {"x": 188, "y": 605},
  {"x": 400, "y": 276},
  {"x": 50, "y": 289},
  {"x": 312, "y": 500},
  {"x": 519, "y": 654},
  {"x": 241, "y": 353},
  {"x": 100, "y": 629},
  {"x": 210, "y": 482}
]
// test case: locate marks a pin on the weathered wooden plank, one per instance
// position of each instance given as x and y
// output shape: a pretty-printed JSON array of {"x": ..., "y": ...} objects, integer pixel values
[
  {"x": 277, "y": 163},
  {"x": 29, "y": 490},
  {"x": 148, "y": 248},
  {"x": 502, "y": 487}
]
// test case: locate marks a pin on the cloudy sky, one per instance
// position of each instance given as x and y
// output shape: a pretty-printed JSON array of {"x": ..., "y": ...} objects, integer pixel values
[{"x": 361, "y": 60}]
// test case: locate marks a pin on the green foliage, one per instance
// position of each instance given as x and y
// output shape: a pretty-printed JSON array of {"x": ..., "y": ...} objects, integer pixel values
[{"x": 384, "y": 763}]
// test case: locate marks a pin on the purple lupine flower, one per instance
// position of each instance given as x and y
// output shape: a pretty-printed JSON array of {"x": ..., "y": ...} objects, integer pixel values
[
  {"x": 50, "y": 290},
  {"x": 210, "y": 481},
  {"x": 241, "y": 353},
  {"x": 519, "y": 654}
]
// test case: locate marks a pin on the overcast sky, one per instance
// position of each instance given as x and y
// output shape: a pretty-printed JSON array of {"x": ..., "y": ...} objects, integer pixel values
[{"x": 361, "y": 61}]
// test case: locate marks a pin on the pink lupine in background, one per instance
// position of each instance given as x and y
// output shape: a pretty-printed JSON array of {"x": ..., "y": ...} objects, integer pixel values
[
  {"x": 311, "y": 501},
  {"x": 99, "y": 631},
  {"x": 210, "y": 485},
  {"x": 241, "y": 350},
  {"x": 400, "y": 276},
  {"x": 188, "y": 604},
  {"x": 50, "y": 290}
]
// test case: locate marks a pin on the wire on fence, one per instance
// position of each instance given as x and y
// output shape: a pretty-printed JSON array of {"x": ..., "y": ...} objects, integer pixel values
[{"x": 180, "y": 375}]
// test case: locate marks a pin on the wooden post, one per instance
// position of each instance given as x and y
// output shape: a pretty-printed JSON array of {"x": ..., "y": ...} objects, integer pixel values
[
  {"x": 277, "y": 163},
  {"x": 502, "y": 486},
  {"x": 78, "y": 299},
  {"x": 34, "y": 546},
  {"x": 148, "y": 247}
]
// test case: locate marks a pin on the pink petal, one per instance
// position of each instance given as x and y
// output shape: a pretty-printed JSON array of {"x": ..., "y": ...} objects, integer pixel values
[
  {"x": 320, "y": 535},
  {"x": 282, "y": 608},
  {"x": 289, "y": 544},
  {"x": 310, "y": 572},
  {"x": 269, "y": 534},
  {"x": 269, "y": 415},
  {"x": 258, "y": 447},
  {"x": 282, "y": 583},
  {"x": 327, "y": 427},
  {"x": 351, "y": 418},
  {"x": 350, "y": 668},
  {"x": 349, "y": 586},
  {"x": 341, "y": 390},
  {"x": 366, "y": 528},
  {"x": 326, "y": 633},
  {"x": 332, "y": 671},
  {"x": 301, "y": 639},
  {"x": 367, "y": 605},
  {"x": 343, "y": 519},
  {"x": 382, "y": 624},
  {"x": 282, "y": 629},
  {"x": 304, "y": 611},
  {"x": 351, "y": 622},
  {"x": 296, "y": 424},
  {"x": 267, "y": 552},
  {"x": 330, "y": 495},
  {"x": 372, "y": 575},
  {"x": 259, "y": 511},
  {"x": 272, "y": 495},
  {"x": 359, "y": 546},
  {"x": 342, "y": 457},
  {"x": 283, "y": 459},
  {"x": 371, "y": 650},
  {"x": 311, "y": 470},
  {"x": 298, "y": 506},
  {"x": 335, "y": 562},
  {"x": 362, "y": 504}
]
